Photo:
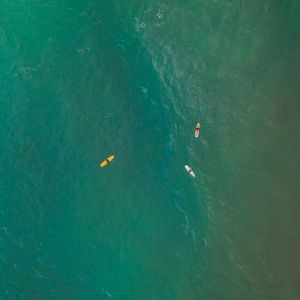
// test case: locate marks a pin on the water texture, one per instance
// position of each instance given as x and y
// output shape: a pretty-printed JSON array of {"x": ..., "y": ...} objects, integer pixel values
[{"x": 80, "y": 80}]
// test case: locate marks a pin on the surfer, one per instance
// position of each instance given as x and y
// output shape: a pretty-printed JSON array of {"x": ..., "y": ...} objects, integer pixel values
[
  {"x": 190, "y": 170},
  {"x": 107, "y": 161},
  {"x": 197, "y": 130}
]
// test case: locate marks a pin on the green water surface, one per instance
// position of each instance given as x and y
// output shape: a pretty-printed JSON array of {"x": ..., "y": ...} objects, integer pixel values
[{"x": 80, "y": 80}]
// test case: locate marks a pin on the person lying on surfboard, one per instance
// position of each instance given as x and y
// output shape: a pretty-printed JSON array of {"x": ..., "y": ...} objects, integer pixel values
[
  {"x": 190, "y": 170},
  {"x": 107, "y": 161},
  {"x": 197, "y": 130}
]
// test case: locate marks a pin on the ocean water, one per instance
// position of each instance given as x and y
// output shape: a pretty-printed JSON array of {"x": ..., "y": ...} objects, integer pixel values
[{"x": 80, "y": 80}]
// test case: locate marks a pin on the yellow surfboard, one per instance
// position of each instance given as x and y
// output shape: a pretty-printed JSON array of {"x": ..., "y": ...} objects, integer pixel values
[{"x": 107, "y": 161}]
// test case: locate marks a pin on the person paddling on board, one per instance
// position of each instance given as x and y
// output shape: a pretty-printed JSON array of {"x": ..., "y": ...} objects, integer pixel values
[
  {"x": 197, "y": 130},
  {"x": 107, "y": 161},
  {"x": 190, "y": 170}
]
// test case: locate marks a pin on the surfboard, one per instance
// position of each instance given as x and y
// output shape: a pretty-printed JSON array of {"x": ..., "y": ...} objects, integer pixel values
[
  {"x": 107, "y": 161},
  {"x": 189, "y": 170},
  {"x": 197, "y": 130}
]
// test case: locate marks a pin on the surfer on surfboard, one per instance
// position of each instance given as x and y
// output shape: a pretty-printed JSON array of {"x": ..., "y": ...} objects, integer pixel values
[
  {"x": 107, "y": 161},
  {"x": 190, "y": 170},
  {"x": 197, "y": 130}
]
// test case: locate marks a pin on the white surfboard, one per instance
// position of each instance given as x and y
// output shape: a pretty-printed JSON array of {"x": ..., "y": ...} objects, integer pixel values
[{"x": 190, "y": 170}]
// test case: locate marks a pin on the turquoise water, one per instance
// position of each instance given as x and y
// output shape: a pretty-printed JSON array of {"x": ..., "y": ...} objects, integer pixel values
[{"x": 81, "y": 80}]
